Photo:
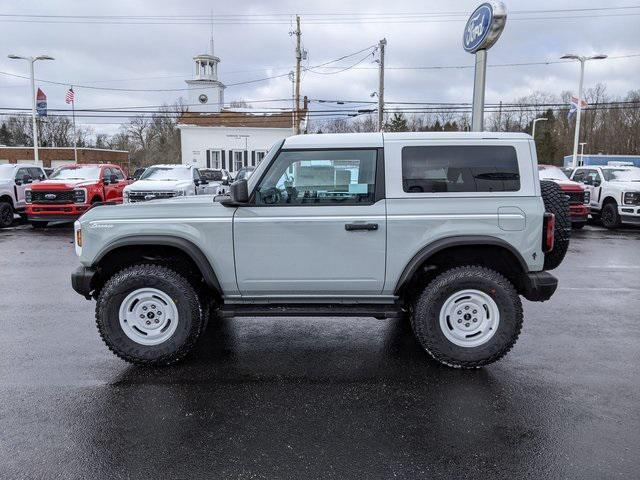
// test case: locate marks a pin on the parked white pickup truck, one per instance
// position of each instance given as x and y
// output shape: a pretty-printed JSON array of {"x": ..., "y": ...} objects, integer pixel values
[
  {"x": 615, "y": 193},
  {"x": 14, "y": 179},
  {"x": 166, "y": 181}
]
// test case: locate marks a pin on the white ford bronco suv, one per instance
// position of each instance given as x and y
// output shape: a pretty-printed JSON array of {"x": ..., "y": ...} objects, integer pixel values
[{"x": 447, "y": 229}]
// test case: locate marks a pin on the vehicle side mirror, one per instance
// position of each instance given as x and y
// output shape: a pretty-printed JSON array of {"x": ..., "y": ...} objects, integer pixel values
[
  {"x": 596, "y": 183},
  {"x": 225, "y": 182},
  {"x": 113, "y": 178},
  {"x": 25, "y": 179},
  {"x": 239, "y": 191},
  {"x": 587, "y": 181}
]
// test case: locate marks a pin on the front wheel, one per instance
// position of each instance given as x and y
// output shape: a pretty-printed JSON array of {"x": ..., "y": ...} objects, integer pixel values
[
  {"x": 468, "y": 317},
  {"x": 149, "y": 315},
  {"x": 6, "y": 214},
  {"x": 610, "y": 216}
]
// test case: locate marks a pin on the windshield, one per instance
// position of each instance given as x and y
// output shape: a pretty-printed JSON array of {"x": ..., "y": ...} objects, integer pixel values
[
  {"x": 212, "y": 175},
  {"x": 167, "y": 173},
  {"x": 253, "y": 179},
  {"x": 621, "y": 174},
  {"x": 76, "y": 173},
  {"x": 6, "y": 172},
  {"x": 551, "y": 173},
  {"x": 244, "y": 173}
]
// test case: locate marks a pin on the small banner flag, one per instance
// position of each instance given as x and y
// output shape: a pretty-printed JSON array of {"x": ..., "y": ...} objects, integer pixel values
[
  {"x": 574, "y": 106},
  {"x": 41, "y": 103},
  {"x": 71, "y": 96}
]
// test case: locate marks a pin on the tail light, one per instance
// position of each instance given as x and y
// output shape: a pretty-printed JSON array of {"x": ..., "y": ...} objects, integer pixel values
[{"x": 548, "y": 231}]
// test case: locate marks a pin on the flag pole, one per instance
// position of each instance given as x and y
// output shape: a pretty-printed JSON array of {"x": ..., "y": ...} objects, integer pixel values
[{"x": 75, "y": 137}]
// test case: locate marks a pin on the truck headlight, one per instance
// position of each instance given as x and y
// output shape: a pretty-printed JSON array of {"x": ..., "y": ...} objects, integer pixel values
[
  {"x": 631, "y": 198},
  {"x": 587, "y": 197},
  {"x": 80, "y": 195},
  {"x": 27, "y": 196}
]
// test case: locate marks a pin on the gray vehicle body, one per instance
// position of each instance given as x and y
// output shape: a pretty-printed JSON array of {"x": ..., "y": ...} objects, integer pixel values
[{"x": 304, "y": 253}]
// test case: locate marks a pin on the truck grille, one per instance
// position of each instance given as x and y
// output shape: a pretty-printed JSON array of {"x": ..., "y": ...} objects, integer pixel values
[
  {"x": 54, "y": 196},
  {"x": 575, "y": 197},
  {"x": 139, "y": 196}
]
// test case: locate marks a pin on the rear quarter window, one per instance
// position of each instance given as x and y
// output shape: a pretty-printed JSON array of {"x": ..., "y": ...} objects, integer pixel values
[{"x": 464, "y": 168}]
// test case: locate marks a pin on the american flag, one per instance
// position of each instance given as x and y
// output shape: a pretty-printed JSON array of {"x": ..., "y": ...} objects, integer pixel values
[{"x": 71, "y": 96}]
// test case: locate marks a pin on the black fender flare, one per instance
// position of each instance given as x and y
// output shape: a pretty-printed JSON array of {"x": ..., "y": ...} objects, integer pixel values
[
  {"x": 183, "y": 244},
  {"x": 460, "y": 240}
]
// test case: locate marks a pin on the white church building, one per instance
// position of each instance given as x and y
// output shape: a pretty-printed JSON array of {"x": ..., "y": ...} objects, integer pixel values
[{"x": 213, "y": 136}]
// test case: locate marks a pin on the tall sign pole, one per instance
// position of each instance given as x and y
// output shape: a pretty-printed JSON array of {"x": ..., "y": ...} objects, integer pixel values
[
  {"x": 298, "y": 34},
  {"x": 381, "y": 45},
  {"x": 480, "y": 33}
]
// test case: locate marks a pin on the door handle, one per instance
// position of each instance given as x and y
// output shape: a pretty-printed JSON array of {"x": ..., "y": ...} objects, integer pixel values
[{"x": 350, "y": 227}]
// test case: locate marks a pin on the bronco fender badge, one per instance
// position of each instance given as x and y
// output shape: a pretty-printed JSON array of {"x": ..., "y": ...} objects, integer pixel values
[{"x": 101, "y": 225}]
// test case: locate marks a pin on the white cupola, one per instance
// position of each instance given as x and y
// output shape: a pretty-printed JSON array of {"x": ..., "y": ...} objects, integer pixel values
[{"x": 206, "y": 92}]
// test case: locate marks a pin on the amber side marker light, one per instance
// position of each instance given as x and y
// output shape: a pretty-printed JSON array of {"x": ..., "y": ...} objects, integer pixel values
[{"x": 79, "y": 238}]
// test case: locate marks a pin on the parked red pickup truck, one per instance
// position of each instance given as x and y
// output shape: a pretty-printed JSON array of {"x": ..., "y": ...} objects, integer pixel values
[
  {"x": 71, "y": 190},
  {"x": 579, "y": 197}
]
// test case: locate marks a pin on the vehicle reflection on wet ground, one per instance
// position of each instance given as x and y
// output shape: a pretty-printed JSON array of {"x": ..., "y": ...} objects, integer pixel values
[{"x": 321, "y": 398}]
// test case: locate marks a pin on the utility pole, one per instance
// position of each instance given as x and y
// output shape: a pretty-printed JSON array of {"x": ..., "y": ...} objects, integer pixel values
[
  {"x": 381, "y": 46},
  {"x": 298, "y": 34}
]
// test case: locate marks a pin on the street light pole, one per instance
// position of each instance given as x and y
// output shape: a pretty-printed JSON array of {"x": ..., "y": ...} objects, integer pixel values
[
  {"x": 533, "y": 130},
  {"x": 576, "y": 136},
  {"x": 34, "y": 125}
]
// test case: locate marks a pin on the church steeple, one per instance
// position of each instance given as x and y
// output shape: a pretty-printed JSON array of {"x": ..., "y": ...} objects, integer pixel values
[{"x": 206, "y": 92}]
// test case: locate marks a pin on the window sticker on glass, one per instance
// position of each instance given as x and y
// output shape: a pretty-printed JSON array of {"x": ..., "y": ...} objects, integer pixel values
[{"x": 358, "y": 188}]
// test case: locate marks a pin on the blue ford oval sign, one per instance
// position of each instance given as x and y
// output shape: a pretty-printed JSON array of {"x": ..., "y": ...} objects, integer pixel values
[{"x": 484, "y": 26}]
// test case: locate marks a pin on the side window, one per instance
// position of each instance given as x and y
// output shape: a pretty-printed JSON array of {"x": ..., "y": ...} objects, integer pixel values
[
  {"x": 468, "y": 168},
  {"x": 196, "y": 174},
  {"x": 22, "y": 172},
  {"x": 327, "y": 177},
  {"x": 118, "y": 173},
  {"x": 36, "y": 173},
  {"x": 591, "y": 177},
  {"x": 579, "y": 176}
]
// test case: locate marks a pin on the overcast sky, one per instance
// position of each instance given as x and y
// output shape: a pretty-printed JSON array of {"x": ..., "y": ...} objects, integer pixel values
[{"x": 159, "y": 56}]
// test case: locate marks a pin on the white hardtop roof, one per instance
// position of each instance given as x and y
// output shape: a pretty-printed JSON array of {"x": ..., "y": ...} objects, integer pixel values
[
  {"x": 19, "y": 165},
  {"x": 346, "y": 140},
  {"x": 170, "y": 165}
]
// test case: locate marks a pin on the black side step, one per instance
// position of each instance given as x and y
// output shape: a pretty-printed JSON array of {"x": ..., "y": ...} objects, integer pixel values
[{"x": 380, "y": 311}]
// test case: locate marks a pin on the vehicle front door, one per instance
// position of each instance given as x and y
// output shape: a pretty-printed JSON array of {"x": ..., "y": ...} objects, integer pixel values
[
  {"x": 21, "y": 185},
  {"x": 593, "y": 181},
  {"x": 315, "y": 225},
  {"x": 111, "y": 188}
]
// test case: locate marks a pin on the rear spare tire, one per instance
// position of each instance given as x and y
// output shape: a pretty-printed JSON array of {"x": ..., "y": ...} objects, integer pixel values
[
  {"x": 149, "y": 315},
  {"x": 556, "y": 202}
]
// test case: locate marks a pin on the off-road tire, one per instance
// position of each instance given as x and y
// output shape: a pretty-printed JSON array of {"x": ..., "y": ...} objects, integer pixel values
[
  {"x": 609, "y": 216},
  {"x": 556, "y": 202},
  {"x": 6, "y": 214},
  {"x": 425, "y": 320},
  {"x": 190, "y": 324},
  {"x": 39, "y": 224}
]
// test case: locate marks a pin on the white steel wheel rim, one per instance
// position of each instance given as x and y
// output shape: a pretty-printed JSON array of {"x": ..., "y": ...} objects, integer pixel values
[
  {"x": 469, "y": 318},
  {"x": 148, "y": 316}
]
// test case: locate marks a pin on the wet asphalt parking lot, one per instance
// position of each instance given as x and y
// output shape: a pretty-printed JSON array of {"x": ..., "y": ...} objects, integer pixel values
[{"x": 321, "y": 398}]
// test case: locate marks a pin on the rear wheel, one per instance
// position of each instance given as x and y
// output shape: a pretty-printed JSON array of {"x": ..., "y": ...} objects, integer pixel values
[
  {"x": 610, "y": 216},
  {"x": 149, "y": 315},
  {"x": 556, "y": 202},
  {"x": 6, "y": 214},
  {"x": 468, "y": 317}
]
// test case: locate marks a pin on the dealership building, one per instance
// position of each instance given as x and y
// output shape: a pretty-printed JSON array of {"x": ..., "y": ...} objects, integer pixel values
[
  {"x": 601, "y": 159},
  {"x": 53, "y": 157}
]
